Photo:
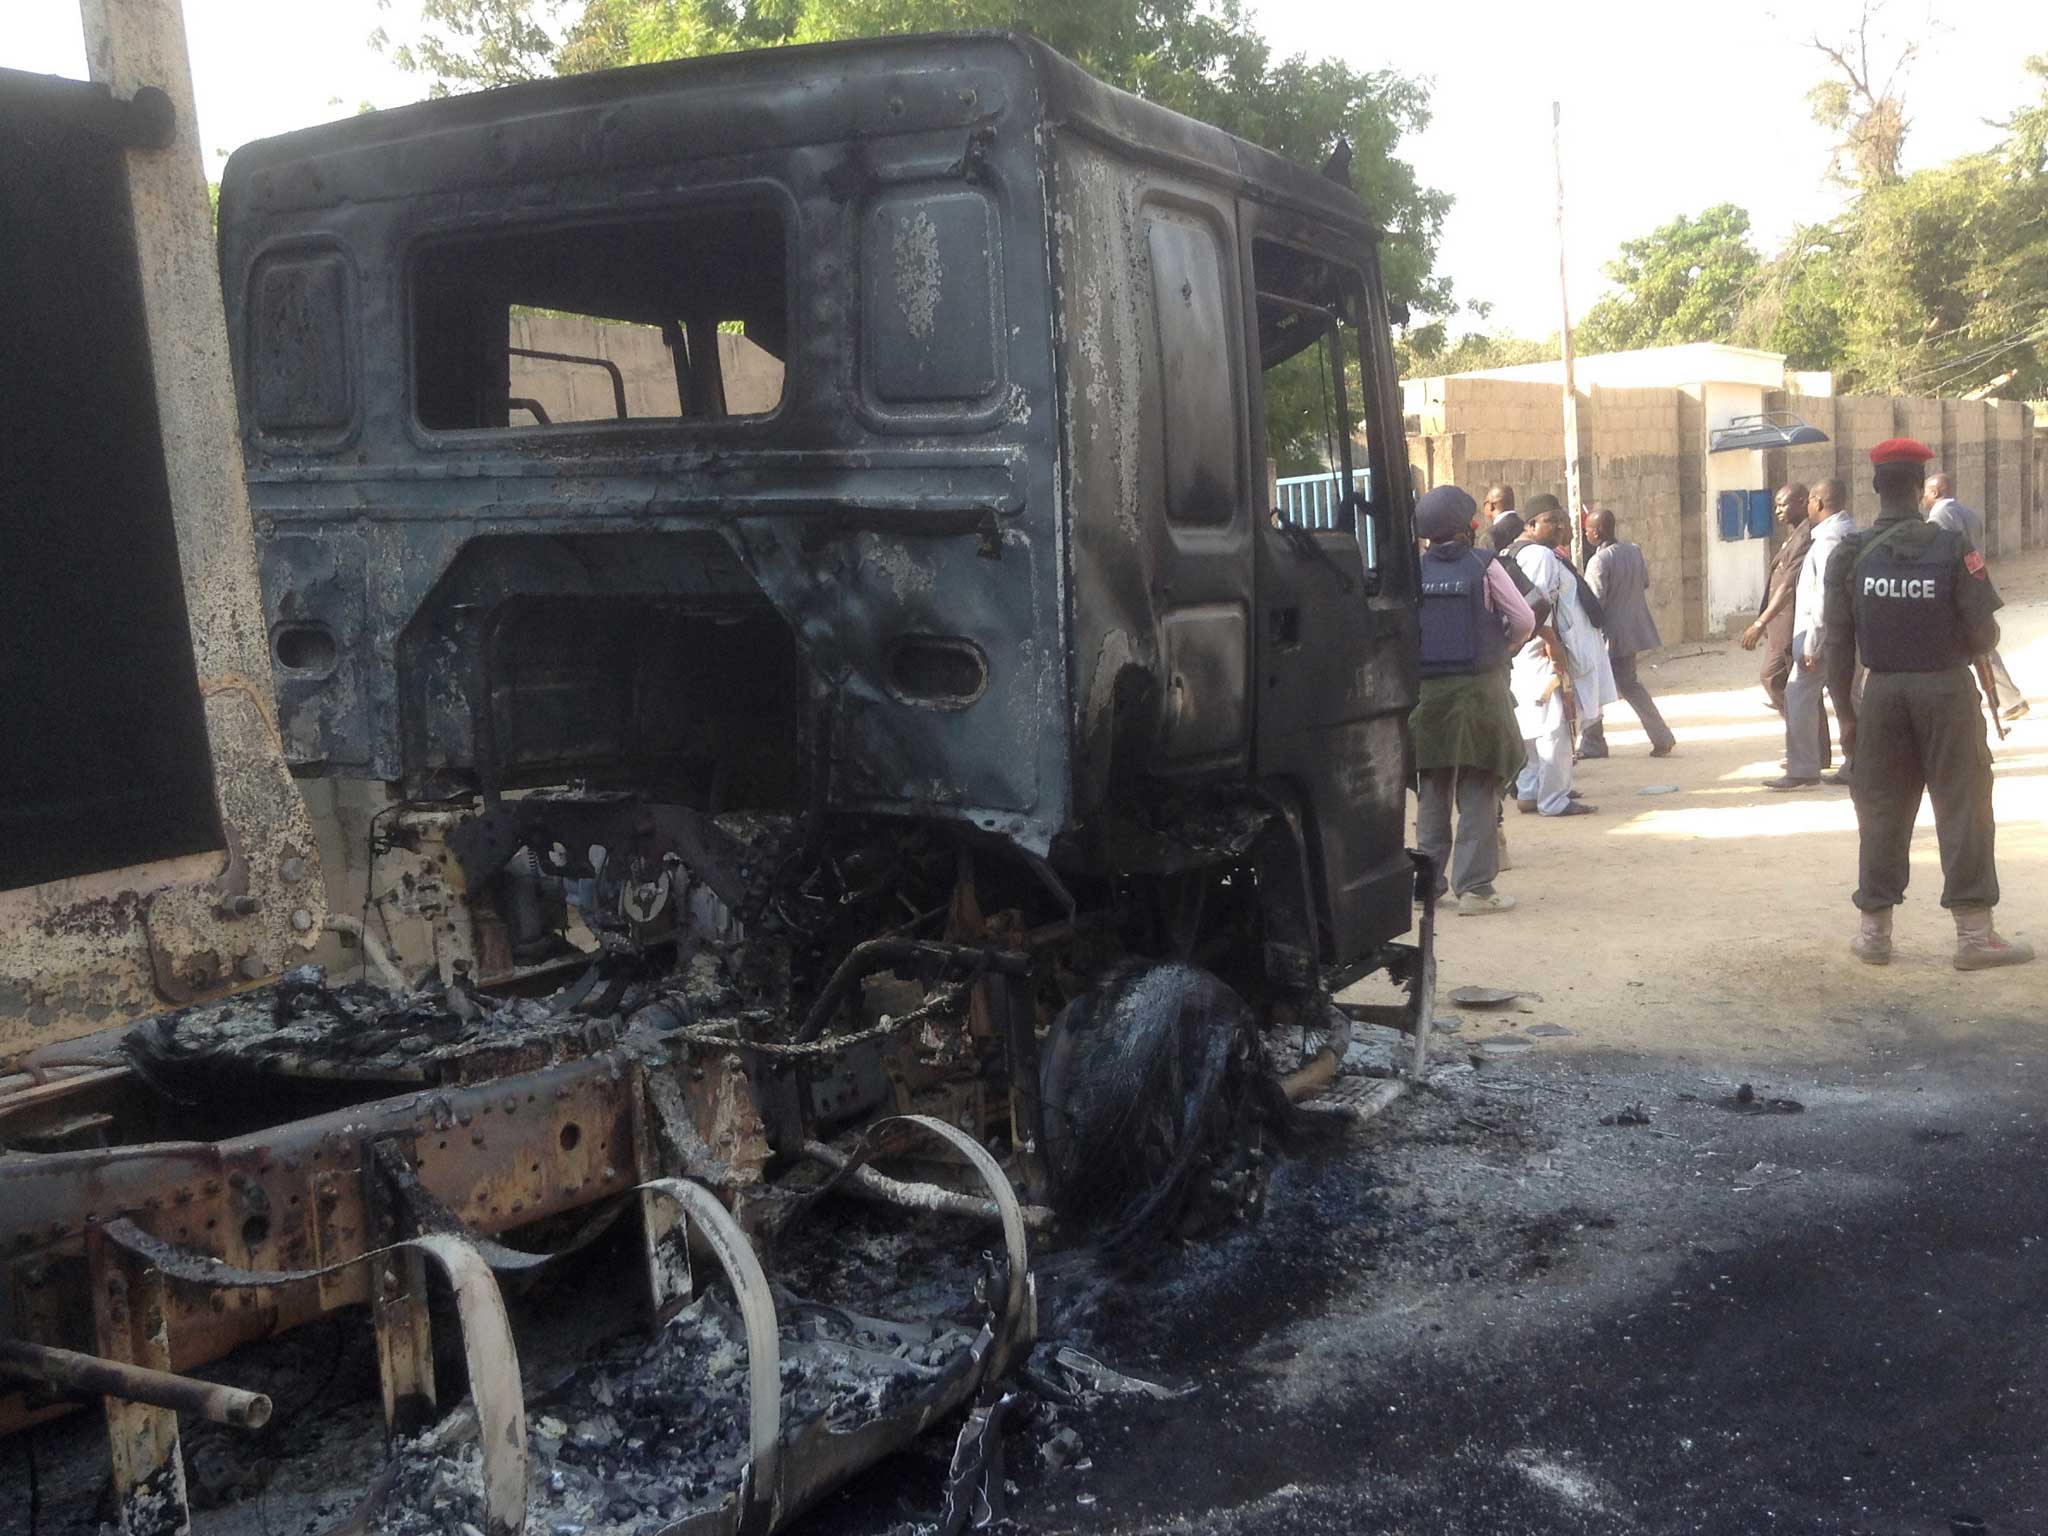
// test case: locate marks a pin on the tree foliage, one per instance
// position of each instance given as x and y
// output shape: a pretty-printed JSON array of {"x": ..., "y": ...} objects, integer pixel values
[
  {"x": 1861, "y": 102},
  {"x": 1797, "y": 301},
  {"x": 472, "y": 44},
  {"x": 1201, "y": 57},
  {"x": 1681, "y": 282},
  {"x": 1430, "y": 350},
  {"x": 1931, "y": 283}
]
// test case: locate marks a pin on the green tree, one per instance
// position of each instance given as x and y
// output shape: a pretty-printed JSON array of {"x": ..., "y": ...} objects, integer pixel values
[
  {"x": 1681, "y": 282},
  {"x": 1202, "y": 57},
  {"x": 1797, "y": 302},
  {"x": 2026, "y": 145},
  {"x": 1948, "y": 282},
  {"x": 1429, "y": 350},
  {"x": 471, "y": 44},
  {"x": 1930, "y": 283}
]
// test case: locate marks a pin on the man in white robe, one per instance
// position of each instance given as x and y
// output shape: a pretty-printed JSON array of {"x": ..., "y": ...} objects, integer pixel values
[{"x": 1566, "y": 655}]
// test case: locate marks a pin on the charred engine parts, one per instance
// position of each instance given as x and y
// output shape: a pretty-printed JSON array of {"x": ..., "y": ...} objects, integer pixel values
[{"x": 682, "y": 1082}]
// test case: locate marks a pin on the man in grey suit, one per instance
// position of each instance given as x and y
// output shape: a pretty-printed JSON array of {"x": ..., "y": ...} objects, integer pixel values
[
  {"x": 1938, "y": 501},
  {"x": 1620, "y": 578}
]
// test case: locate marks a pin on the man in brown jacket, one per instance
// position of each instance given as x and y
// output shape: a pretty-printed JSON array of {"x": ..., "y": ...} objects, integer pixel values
[
  {"x": 1798, "y": 510},
  {"x": 1774, "y": 622}
]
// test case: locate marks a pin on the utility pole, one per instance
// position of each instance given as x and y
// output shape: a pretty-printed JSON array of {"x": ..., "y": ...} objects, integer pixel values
[{"x": 1571, "y": 393}]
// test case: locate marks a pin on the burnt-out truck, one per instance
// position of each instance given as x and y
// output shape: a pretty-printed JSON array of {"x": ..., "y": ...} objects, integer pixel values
[{"x": 780, "y": 607}]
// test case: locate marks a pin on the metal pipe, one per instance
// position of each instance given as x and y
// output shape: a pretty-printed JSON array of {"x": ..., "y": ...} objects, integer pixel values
[
  {"x": 618, "y": 379},
  {"x": 863, "y": 960},
  {"x": 72, "y": 1374},
  {"x": 928, "y": 1198},
  {"x": 146, "y": 120}
]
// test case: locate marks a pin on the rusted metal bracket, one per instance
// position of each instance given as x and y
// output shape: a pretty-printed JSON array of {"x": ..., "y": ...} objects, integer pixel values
[
  {"x": 487, "y": 1348},
  {"x": 664, "y": 1235},
  {"x": 142, "y": 1437},
  {"x": 760, "y": 1490},
  {"x": 1415, "y": 1018},
  {"x": 1422, "y": 984},
  {"x": 398, "y": 1299}
]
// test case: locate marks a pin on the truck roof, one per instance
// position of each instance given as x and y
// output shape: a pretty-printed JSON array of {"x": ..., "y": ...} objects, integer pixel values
[{"x": 733, "y": 103}]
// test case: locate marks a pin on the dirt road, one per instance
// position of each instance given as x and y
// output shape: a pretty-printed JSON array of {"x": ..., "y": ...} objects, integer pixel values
[{"x": 1713, "y": 922}]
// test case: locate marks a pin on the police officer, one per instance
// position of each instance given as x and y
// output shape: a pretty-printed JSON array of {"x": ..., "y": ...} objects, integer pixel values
[
  {"x": 1463, "y": 725},
  {"x": 1912, "y": 600}
]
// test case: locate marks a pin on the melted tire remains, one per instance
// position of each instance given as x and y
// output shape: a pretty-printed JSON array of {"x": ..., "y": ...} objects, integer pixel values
[{"x": 1156, "y": 1102}]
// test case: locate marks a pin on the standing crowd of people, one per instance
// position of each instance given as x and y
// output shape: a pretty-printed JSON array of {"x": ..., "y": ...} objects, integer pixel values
[{"x": 1522, "y": 653}]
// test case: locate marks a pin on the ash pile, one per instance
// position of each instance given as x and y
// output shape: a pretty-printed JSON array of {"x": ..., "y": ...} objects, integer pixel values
[{"x": 651, "y": 1432}]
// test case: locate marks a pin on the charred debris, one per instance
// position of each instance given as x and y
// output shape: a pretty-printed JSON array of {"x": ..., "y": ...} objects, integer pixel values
[{"x": 721, "y": 1082}]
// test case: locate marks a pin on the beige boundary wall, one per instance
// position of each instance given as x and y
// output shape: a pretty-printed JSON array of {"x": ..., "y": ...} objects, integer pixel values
[
  {"x": 1643, "y": 453},
  {"x": 582, "y": 391}
]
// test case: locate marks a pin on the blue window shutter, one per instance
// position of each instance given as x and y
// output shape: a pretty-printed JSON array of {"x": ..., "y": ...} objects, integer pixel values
[
  {"x": 1759, "y": 514},
  {"x": 1731, "y": 505}
]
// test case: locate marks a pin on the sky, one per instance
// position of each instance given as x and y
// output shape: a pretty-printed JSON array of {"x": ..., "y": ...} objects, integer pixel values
[{"x": 1668, "y": 109}]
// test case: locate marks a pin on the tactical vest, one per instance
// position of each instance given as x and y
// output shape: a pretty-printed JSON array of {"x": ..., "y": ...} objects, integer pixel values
[
  {"x": 1461, "y": 636},
  {"x": 1902, "y": 588}
]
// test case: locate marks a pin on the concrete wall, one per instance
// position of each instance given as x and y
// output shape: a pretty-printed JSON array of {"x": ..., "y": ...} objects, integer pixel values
[
  {"x": 2035, "y": 496},
  {"x": 583, "y": 391},
  {"x": 2007, "y": 435},
  {"x": 1810, "y": 463},
  {"x": 1513, "y": 434},
  {"x": 1862, "y": 422},
  {"x": 1506, "y": 431},
  {"x": 1694, "y": 516},
  {"x": 1965, "y": 452},
  {"x": 1983, "y": 446},
  {"x": 1634, "y": 459},
  {"x": 1921, "y": 419}
]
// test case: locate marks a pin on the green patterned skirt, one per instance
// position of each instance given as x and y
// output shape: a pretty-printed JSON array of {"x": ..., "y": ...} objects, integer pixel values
[{"x": 1467, "y": 722}]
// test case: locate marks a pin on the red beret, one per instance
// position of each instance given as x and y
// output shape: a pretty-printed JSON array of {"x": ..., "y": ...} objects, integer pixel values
[{"x": 1901, "y": 450}]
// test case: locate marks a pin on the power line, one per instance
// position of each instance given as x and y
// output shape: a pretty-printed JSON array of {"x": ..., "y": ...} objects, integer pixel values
[{"x": 1950, "y": 368}]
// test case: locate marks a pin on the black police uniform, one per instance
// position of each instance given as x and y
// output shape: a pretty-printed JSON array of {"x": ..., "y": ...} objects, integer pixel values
[{"x": 1912, "y": 600}]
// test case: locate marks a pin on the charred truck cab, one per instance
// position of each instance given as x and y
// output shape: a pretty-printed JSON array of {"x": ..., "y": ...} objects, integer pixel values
[
  {"x": 756, "y": 525},
  {"x": 946, "y": 504},
  {"x": 782, "y": 615}
]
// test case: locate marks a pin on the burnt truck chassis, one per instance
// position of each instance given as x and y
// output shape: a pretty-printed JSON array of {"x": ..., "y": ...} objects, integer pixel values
[
  {"x": 1068, "y": 991},
  {"x": 544, "y": 1122}
]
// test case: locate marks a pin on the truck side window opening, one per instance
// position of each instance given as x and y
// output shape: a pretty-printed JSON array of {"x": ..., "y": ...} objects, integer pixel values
[
  {"x": 1311, "y": 352},
  {"x": 1198, "y": 388},
  {"x": 653, "y": 320}
]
